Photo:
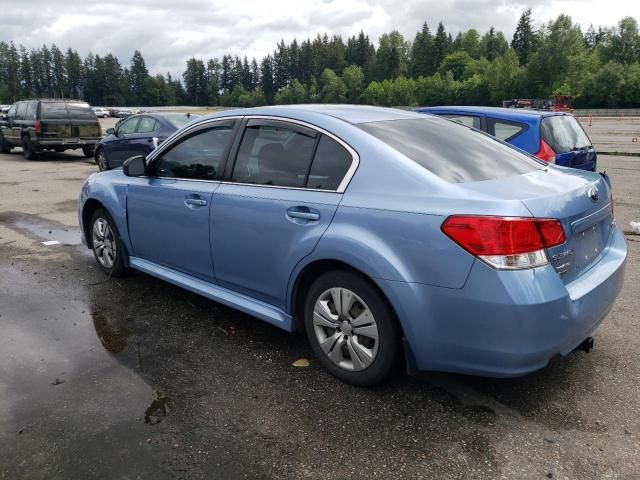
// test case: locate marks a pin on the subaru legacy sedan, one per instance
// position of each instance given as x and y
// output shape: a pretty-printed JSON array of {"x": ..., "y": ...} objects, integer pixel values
[
  {"x": 555, "y": 137},
  {"x": 389, "y": 237}
]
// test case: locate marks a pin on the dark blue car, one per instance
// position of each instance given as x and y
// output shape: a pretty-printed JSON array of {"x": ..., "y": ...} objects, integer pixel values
[
  {"x": 554, "y": 137},
  {"x": 137, "y": 135}
]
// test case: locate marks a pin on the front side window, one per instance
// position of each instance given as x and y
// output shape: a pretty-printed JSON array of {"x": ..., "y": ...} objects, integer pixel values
[
  {"x": 452, "y": 153},
  {"x": 467, "y": 120},
  {"x": 147, "y": 125},
  {"x": 274, "y": 155},
  {"x": 128, "y": 126},
  {"x": 330, "y": 164},
  {"x": 200, "y": 156}
]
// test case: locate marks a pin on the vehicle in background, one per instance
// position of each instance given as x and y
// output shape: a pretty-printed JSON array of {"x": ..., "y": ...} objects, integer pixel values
[
  {"x": 4, "y": 108},
  {"x": 136, "y": 135},
  {"x": 124, "y": 112},
  {"x": 101, "y": 112},
  {"x": 559, "y": 103},
  {"x": 555, "y": 137},
  {"x": 385, "y": 235},
  {"x": 49, "y": 124}
]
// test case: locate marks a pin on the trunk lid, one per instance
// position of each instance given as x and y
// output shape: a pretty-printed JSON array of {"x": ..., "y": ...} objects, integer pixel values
[{"x": 580, "y": 200}]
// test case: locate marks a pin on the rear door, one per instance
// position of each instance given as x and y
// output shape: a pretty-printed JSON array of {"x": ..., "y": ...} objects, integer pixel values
[
  {"x": 282, "y": 193},
  {"x": 54, "y": 120},
  {"x": 141, "y": 142},
  {"x": 169, "y": 212},
  {"x": 83, "y": 121}
]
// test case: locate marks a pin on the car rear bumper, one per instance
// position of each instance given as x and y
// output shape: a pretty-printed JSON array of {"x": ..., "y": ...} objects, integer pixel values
[
  {"x": 507, "y": 323},
  {"x": 65, "y": 142}
]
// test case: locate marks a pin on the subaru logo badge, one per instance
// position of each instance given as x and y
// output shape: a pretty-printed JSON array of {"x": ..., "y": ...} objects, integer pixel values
[{"x": 593, "y": 194}]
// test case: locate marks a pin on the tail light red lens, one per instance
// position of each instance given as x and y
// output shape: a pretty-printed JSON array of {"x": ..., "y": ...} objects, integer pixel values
[
  {"x": 505, "y": 242},
  {"x": 546, "y": 153},
  {"x": 38, "y": 126}
]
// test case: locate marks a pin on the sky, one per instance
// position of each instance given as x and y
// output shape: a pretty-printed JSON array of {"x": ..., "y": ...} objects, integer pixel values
[{"x": 168, "y": 32}]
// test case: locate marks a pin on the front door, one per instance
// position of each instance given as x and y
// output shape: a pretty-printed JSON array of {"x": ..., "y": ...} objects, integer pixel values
[
  {"x": 169, "y": 212},
  {"x": 119, "y": 149},
  {"x": 280, "y": 199}
]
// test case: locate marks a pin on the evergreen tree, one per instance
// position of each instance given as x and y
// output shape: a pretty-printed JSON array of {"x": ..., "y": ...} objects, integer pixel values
[
  {"x": 422, "y": 52},
  {"x": 524, "y": 37},
  {"x": 266, "y": 78},
  {"x": 440, "y": 47}
]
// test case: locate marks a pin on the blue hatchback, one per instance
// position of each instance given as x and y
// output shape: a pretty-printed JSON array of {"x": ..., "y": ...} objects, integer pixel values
[
  {"x": 136, "y": 135},
  {"x": 554, "y": 137},
  {"x": 383, "y": 234}
]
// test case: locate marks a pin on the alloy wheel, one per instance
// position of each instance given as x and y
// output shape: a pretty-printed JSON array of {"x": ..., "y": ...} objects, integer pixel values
[
  {"x": 104, "y": 243},
  {"x": 346, "y": 329}
]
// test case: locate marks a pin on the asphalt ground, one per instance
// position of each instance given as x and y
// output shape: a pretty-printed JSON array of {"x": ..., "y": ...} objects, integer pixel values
[{"x": 134, "y": 378}]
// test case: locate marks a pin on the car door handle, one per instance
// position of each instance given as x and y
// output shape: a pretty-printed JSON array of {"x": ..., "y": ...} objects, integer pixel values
[
  {"x": 303, "y": 213},
  {"x": 195, "y": 202}
]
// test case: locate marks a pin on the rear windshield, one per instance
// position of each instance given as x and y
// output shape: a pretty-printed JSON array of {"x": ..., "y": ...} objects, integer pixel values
[
  {"x": 563, "y": 133},
  {"x": 453, "y": 152},
  {"x": 58, "y": 111}
]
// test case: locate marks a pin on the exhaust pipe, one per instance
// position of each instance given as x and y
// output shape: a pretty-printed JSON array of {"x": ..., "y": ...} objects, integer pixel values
[{"x": 586, "y": 346}]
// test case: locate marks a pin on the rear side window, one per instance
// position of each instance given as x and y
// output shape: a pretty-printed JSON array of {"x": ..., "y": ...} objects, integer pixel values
[
  {"x": 452, "y": 153},
  {"x": 32, "y": 109},
  {"x": 505, "y": 130},
  {"x": 81, "y": 111},
  {"x": 147, "y": 125},
  {"x": 274, "y": 155},
  {"x": 54, "y": 111},
  {"x": 330, "y": 164},
  {"x": 563, "y": 133},
  {"x": 467, "y": 120}
]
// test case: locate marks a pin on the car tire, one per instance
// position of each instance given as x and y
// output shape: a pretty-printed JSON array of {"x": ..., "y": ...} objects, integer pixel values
[
  {"x": 88, "y": 151},
  {"x": 101, "y": 160},
  {"x": 107, "y": 247},
  {"x": 358, "y": 342},
  {"x": 4, "y": 146},
  {"x": 27, "y": 149}
]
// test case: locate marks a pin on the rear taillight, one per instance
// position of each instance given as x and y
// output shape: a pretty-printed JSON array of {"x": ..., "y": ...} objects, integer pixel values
[
  {"x": 505, "y": 242},
  {"x": 546, "y": 153},
  {"x": 38, "y": 126}
]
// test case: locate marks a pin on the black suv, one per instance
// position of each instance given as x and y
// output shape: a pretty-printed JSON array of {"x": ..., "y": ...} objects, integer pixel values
[{"x": 37, "y": 125}]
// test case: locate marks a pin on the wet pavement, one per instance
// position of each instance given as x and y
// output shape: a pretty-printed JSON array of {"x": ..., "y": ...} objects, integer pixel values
[{"x": 135, "y": 378}]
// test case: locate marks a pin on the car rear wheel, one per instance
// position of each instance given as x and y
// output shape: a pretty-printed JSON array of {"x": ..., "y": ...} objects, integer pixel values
[
  {"x": 27, "y": 149},
  {"x": 351, "y": 328},
  {"x": 106, "y": 244},
  {"x": 101, "y": 160}
]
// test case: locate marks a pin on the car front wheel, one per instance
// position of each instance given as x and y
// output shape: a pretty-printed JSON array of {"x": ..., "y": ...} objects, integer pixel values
[
  {"x": 101, "y": 160},
  {"x": 351, "y": 328},
  {"x": 106, "y": 244}
]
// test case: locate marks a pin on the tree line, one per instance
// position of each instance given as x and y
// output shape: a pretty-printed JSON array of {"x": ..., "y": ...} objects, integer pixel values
[{"x": 598, "y": 67}]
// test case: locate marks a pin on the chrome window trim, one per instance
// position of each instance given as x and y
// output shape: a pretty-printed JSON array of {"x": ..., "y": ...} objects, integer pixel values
[{"x": 355, "y": 158}]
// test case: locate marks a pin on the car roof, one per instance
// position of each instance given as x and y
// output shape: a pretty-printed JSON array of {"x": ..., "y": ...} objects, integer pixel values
[
  {"x": 354, "y": 114},
  {"x": 497, "y": 112}
]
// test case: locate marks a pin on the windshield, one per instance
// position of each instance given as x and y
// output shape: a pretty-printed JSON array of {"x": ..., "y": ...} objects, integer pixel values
[
  {"x": 179, "y": 120},
  {"x": 453, "y": 152},
  {"x": 563, "y": 133}
]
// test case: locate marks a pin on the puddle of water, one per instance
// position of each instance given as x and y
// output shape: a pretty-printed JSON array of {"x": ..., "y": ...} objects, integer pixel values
[{"x": 45, "y": 230}]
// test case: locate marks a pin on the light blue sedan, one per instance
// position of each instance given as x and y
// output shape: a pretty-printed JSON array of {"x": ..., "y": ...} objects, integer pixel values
[{"x": 389, "y": 237}]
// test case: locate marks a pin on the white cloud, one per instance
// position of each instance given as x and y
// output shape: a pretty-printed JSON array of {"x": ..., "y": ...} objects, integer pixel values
[{"x": 169, "y": 32}]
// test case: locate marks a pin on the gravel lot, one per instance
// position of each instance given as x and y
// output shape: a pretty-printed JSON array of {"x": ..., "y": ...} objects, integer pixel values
[{"x": 135, "y": 378}]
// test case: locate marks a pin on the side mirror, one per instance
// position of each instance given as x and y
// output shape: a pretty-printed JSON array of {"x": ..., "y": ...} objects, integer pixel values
[
  {"x": 135, "y": 166},
  {"x": 111, "y": 131}
]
